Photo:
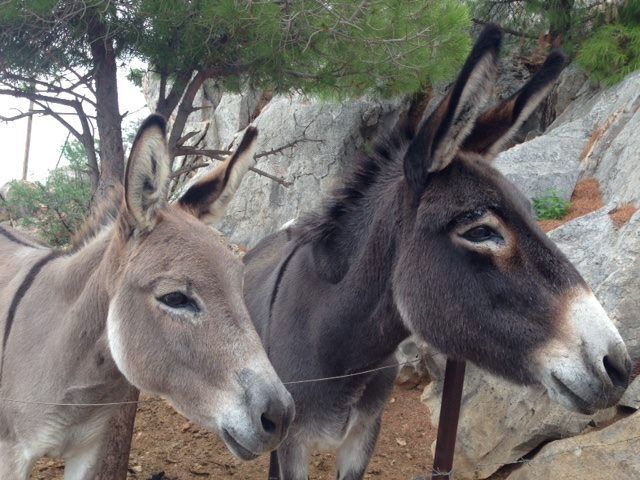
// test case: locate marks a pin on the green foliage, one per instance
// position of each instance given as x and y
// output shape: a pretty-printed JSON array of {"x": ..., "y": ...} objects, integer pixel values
[
  {"x": 551, "y": 206},
  {"x": 135, "y": 76},
  {"x": 56, "y": 207},
  {"x": 604, "y": 37},
  {"x": 333, "y": 48},
  {"x": 613, "y": 51}
]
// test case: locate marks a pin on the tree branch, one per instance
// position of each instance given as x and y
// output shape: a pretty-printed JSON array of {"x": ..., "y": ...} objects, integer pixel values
[
  {"x": 186, "y": 107},
  {"x": 273, "y": 151},
  {"x": 58, "y": 117},
  {"x": 37, "y": 97},
  {"x": 50, "y": 87},
  {"x": 215, "y": 154},
  {"x": 166, "y": 105},
  {"x": 220, "y": 156},
  {"x": 188, "y": 169},
  {"x": 20, "y": 115}
]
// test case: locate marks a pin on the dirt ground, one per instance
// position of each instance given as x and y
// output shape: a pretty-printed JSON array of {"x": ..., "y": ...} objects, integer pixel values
[{"x": 168, "y": 447}]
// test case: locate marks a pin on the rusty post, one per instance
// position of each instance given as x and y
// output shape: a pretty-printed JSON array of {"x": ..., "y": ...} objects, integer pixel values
[{"x": 449, "y": 415}]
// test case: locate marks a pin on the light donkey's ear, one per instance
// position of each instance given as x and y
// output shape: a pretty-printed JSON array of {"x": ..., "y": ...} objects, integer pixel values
[
  {"x": 147, "y": 176},
  {"x": 440, "y": 136},
  {"x": 497, "y": 125},
  {"x": 209, "y": 197}
]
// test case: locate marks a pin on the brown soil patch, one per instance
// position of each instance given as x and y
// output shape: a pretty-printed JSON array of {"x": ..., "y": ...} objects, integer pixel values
[
  {"x": 586, "y": 198},
  {"x": 164, "y": 441},
  {"x": 621, "y": 215}
]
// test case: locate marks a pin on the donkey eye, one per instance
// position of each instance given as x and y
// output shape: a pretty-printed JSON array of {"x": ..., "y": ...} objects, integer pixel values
[
  {"x": 179, "y": 300},
  {"x": 482, "y": 234}
]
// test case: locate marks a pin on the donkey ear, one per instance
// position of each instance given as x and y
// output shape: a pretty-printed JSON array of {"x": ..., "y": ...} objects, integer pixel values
[
  {"x": 147, "y": 174},
  {"x": 496, "y": 126},
  {"x": 209, "y": 197},
  {"x": 441, "y": 135}
]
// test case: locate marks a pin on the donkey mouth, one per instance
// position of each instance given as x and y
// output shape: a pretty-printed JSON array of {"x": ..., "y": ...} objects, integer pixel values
[
  {"x": 577, "y": 403},
  {"x": 236, "y": 448}
]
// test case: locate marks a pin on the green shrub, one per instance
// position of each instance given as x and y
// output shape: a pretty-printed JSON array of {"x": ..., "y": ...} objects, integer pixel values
[
  {"x": 551, "y": 206},
  {"x": 56, "y": 207},
  {"x": 612, "y": 52}
]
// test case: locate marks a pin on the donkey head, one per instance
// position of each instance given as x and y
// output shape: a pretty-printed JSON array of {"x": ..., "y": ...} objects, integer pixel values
[
  {"x": 476, "y": 276},
  {"x": 177, "y": 323}
]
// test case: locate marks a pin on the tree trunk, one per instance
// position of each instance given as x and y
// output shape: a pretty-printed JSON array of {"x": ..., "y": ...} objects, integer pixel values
[
  {"x": 115, "y": 456},
  {"x": 108, "y": 119}
]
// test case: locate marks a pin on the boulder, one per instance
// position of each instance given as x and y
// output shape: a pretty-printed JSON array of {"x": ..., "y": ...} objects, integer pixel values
[
  {"x": 543, "y": 165},
  {"x": 607, "y": 454}
]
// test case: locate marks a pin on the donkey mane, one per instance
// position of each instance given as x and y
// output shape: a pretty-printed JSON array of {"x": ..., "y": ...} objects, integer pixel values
[
  {"x": 102, "y": 214},
  {"x": 327, "y": 220}
]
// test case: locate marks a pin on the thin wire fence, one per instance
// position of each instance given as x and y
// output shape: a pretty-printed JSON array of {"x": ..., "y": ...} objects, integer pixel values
[
  {"x": 151, "y": 400},
  {"x": 523, "y": 460}
]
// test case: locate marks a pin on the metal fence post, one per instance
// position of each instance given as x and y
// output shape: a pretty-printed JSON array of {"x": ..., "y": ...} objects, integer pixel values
[{"x": 448, "y": 424}]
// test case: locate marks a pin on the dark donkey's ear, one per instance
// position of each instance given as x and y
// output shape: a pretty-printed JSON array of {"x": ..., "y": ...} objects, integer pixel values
[
  {"x": 147, "y": 176},
  {"x": 497, "y": 125},
  {"x": 441, "y": 135},
  {"x": 209, "y": 197}
]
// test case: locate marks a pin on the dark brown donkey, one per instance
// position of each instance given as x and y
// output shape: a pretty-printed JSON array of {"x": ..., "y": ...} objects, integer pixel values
[
  {"x": 152, "y": 298},
  {"x": 426, "y": 237}
]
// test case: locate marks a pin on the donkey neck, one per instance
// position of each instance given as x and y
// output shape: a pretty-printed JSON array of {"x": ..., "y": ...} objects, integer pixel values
[
  {"x": 363, "y": 246},
  {"x": 83, "y": 280}
]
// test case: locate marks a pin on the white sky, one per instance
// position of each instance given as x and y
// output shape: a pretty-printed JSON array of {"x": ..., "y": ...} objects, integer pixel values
[{"x": 47, "y": 135}]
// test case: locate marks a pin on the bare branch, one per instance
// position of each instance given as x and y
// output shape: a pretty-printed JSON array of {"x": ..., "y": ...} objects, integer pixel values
[
  {"x": 220, "y": 156},
  {"x": 184, "y": 138},
  {"x": 48, "y": 111},
  {"x": 49, "y": 87},
  {"x": 215, "y": 154},
  {"x": 21, "y": 115},
  {"x": 37, "y": 97},
  {"x": 279, "y": 180},
  {"x": 273, "y": 151},
  {"x": 188, "y": 169}
]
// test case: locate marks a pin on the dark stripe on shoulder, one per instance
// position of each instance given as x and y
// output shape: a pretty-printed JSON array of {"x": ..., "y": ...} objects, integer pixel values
[
  {"x": 276, "y": 288},
  {"x": 17, "y": 298},
  {"x": 11, "y": 237}
]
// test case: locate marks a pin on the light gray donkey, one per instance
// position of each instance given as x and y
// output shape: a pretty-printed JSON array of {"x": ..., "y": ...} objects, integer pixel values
[
  {"x": 426, "y": 237},
  {"x": 148, "y": 296}
]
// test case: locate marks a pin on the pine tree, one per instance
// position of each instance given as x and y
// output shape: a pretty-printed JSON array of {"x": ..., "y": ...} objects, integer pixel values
[{"x": 65, "y": 54}]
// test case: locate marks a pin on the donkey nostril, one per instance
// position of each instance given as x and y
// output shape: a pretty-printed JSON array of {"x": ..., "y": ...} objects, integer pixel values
[
  {"x": 267, "y": 424},
  {"x": 619, "y": 375}
]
